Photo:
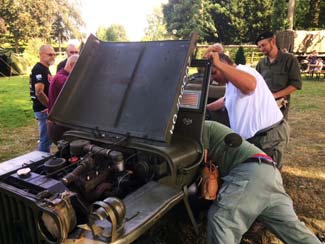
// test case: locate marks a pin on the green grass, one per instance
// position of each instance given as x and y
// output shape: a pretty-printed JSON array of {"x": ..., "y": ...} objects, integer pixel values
[
  {"x": 15, "y": 104},
  {"x": 310, "y": 97}
]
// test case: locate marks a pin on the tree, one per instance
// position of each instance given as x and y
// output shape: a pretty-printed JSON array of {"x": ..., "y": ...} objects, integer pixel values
[
  {"x": 59, "y": 30},
  {"x": 314, "y": 13},
  {"x": 3, "y": 28},
  {"x": 113, "y": 33},
  {"x": 301, "y": 10},
  {"x": 226, "y": 21},
  {"x": 184, "y": 17},
  {"x": 116, "y": 32},
  {"x": 322, "y": 15},
  {"x": 67, "y": 21},
  {"x": 101, "y": 33},
  {"x": 31, "y": 51},
  {"x": 279, "y": 18},
  {"x": 156, "y": 29},
  {"x": 309, "y": 14},
  {"x": 291, "y": 12},
  {"x": 26, "y": 19},
  {"x": 240, "y": 56},
  {"x": 239, "y": 21},
  {"x": 258, "y": 19}
]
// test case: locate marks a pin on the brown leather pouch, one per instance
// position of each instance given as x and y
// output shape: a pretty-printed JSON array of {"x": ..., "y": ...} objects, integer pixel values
[{"x": 209, "y": 184}]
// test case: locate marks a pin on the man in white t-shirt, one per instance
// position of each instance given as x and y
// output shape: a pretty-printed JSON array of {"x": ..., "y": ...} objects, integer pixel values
[{"x": 253, "y": 112}]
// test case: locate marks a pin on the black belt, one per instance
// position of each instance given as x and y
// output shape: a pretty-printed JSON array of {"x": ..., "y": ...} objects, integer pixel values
[
  {"x": 262, "y": 160},
  {"x": 264, "y": 131}
]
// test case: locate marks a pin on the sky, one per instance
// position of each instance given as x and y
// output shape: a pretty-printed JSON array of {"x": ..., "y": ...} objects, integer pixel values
[{"x": 132, "y": 14}]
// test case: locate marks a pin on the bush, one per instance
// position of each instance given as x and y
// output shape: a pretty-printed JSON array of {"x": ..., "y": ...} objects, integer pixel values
[
  {"x": 31, "y": 51},
  {"x": 240, "y": 56},
  {"x": 19, "y": 65}
]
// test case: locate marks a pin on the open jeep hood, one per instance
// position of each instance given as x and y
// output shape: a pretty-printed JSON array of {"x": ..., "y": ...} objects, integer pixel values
[{"x": 125, "y": 88}]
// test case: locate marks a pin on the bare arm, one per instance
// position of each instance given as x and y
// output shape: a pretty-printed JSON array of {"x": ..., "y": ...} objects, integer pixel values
[
  {"x": 245, "y": 82},
  {"x": 41, "y": 96},
  {"x": 216, "y": 105},
  {"x": 284, "y": 92}
]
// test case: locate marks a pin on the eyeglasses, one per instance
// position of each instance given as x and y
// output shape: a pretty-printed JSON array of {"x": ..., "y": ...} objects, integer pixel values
[
  {"x": 73, "y": 52},
  {"x": 51, "y": 54}
]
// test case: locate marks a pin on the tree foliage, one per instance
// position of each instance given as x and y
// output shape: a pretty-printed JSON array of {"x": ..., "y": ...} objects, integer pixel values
[
  {"x": 101, "y": 33},
  {"x": 226, "y": 21},
  {"x": 116, "y": 32},
  {"x": 301, "y": 10},
  {"x": 238, "y": 21},
  {"x": 310, "y": 15},
  {"x": 184, "y": 17},
  {"x": 240, "y": 56},
  {"x": 3, "y": 28},
  {"x": 26, "y": 19},
  {"x": 314, "y": 12},
  {"x": 322, "y": 16},
  {"x": 31, "y": 51},
  {"x": 23, "y": 21},
  {"x": 113, "y": 33},
  {"x": 279, "y": 19},
  {"x": 156, "y": 29},
  {"x": 67, "y": 21}
]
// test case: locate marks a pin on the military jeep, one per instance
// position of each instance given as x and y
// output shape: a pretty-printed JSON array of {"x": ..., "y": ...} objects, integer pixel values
[{"x": 132, "y": 150}]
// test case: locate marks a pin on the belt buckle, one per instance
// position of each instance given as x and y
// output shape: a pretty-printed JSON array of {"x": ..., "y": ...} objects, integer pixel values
[
  {"x": 268, "y": 161},
  {"x": 259, "y": 160},
  {"x": 275, "y": 164}
]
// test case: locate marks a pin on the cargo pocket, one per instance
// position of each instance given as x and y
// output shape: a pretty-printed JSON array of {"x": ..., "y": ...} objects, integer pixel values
[{"x": 231, "y": 192}]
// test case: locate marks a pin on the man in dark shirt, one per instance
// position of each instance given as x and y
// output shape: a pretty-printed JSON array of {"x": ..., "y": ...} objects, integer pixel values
[
  {"x": 39, "y": 86},
  {"x": 71, "y": 49},
  {"x": 56, "y": 131},
  {"x": 280, "y": 70}
]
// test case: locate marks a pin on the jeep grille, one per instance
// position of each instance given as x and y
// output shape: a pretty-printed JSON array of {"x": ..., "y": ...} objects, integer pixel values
[{"x": 18, "y": 221}]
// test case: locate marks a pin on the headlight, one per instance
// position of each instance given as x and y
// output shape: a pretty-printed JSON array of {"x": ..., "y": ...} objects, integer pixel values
[
  {"x": 60, "y": 219},
  {"x": 111, "y": 209}
]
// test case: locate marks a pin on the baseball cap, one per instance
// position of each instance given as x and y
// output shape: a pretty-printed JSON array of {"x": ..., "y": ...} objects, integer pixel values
[{"x": 265, "y": 35}]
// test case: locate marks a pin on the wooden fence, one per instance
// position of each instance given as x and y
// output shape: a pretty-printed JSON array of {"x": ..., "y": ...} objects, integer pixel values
[{"x": 252, "y": 54}]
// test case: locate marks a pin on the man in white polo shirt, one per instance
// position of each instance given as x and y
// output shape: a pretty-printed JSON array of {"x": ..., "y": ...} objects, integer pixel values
[{"x": 253, "y": 112}]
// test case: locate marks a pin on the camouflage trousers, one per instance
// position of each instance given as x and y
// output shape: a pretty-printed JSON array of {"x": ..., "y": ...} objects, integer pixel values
[
  {"x": 273, "y": 141},
  {"x": 255, "y": 191}
]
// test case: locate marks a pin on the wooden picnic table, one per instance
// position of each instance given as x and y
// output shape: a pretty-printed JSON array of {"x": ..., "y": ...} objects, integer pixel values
[{"x": 315, "y": 69}]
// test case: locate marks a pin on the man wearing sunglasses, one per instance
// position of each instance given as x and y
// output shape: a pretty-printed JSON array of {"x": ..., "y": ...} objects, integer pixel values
[
  {"x": 39, "y": 86},
  {"x": 71, "y": 50}
]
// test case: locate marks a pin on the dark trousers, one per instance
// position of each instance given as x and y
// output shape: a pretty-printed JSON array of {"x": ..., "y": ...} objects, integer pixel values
[
  {"x": 273, "y": 141},
  {"x": 55, "y": 131}
]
